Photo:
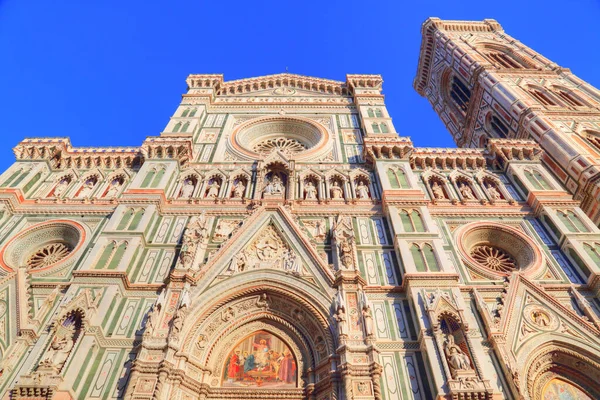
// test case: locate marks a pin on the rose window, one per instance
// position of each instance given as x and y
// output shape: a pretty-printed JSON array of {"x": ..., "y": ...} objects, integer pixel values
[
  {"x": 286, "y": 145},
  {"x": 493, "y": 258},
  {"x": 48, "y": 255}
]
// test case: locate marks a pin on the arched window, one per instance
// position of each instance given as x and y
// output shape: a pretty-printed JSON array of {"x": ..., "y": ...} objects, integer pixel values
[
  {"x": 504, "y": 60},
  {"x": 185, "y": 113},
  {"x": 378, "y": 113},
  {"x": 17, "y": 181},
  {"x": 125, "y": 220},
  {"x": 32, "y": 182},
  {"x": 498, "y": 127},
  {"x": 424, "y": 258},
  {"x": 460, "y": 93},
  {"x": 571, "y": 221},
  {"x": 411, "y": 221},
  {"x": 537, "y": 180},
  {"x": 569, "y": 98},
  {"x": 185, "y": 127},
  {"x": 158, "y": 178},
  {"x": 111, "y": 255},
  {"x": 384, "y": 128},
  {"x": 13, "y": 176},
  {"x": 148, "y": 178},
  {"x": 135, "y": 223},
  {"x": 192, "y": 113},
  {"x": 177, "y": 127},
  {"x": 370, "y": 113},
  {"x": 397, "y": 178},
  {"x": 375, "y": 128},
  {"x": 593, "y": 250},
  {"x": 543, "y": 97}
]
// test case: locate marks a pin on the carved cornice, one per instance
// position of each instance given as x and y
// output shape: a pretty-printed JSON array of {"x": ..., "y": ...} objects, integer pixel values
[
  {"x": 62, "y": 155},
  {"x": 506, "y": 150},
  {"x": 387, "y": 147},
  {"x": 447, "y": 158},
  {"x": 168, "y": 148}
]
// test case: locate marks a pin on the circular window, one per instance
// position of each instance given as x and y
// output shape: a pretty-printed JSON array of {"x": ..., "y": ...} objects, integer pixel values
[
  {"x": 296, "y": 137},
  {"x": 497, "y": 250},
  {"x": 43, "y": 246}
]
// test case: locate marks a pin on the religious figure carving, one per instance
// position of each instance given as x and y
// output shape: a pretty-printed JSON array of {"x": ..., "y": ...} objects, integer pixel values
[
  {"x": 152, "y": 320},
  {"x": 310, "y": 191},
  {"x": 87, "y": 188},
  {"x": 187, "y": 189},
  {"x": 336, "y": 191},
  {"x": 114, "y": 188},
  {"x": 466, "y": 191},
  {"x": 59, "y": 349},
  {"x": 457, "y": 359},
  {"x": 368, "y": 320},
  {"x": 263, "y": 301},
  {"x": 362, "y": 191},
  {"x": 340, "y": 317},
  {"x": 438, "y": 191},
  {"x": 238, "y": 263},
  {"x": 60, "y": 187},
  {"x": 345, "y": 252},
  {"x": 213, "y": 190},
  {"x": 274, "y": 186},
  {"x": 540, "y": 318},
  {"x": 493, "y": 192},
  {"x": 178, "y": 321},
  {"x": 239, "y": 190}
]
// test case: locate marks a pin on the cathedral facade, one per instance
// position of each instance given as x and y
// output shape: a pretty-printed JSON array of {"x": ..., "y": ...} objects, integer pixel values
[{"x": 280, "y": 240}]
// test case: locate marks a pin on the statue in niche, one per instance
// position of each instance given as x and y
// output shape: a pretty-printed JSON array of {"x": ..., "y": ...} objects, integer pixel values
[
  {"x": 493, "y": 192},
  {"x": 466, "y": 191},
  {"x": 291, "y": 263},
  {"x": 187, "y": 190},
  {"x": 340, "y": 317},
  {"x": 438, "y": 191},
  {"x": 188, "y": 248},
  {"x": 238, "y": 263},
  {"x": 336, "y": 191},
  {"x": 87, "y": 188},
  {"x": 345, "y": 252},
  {"x": 457, "y": 359},
  {"x": 197, "y": 224},
  {"x": 152, "y": 320},
  {"x": 59, "y": 349},
  {"x": 179, "y": 318},
  {"x": 239, "y": 190},
  {"x": 368, "y": 319},
  {"x": 540, "y": 318},
  {"x": 114, "y": 188},
  {"x": 60, "y": 187},
  {"x": 362, "y": 191},
  {"x": 320, "y": 229},
  {"x": 274, "y": 185},
  {"x": 213, "y": 190},
  {"x": 310, "y": 191}
]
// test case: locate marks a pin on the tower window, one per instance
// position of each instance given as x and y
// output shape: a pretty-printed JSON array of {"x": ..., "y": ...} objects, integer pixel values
[
  {"x": 370, "y": 113},
  {"x": 384, "y": 128},
  {"x": 570, "y": 99},
  {"x": 503, "y": 60},
  {"x": 498, "y": 127},
  {"x": 375, "y": 128},
  {"x": 543, "y": 97},
  {"x": 378, "y": 113},
  {"x": 460, "y": 93}
]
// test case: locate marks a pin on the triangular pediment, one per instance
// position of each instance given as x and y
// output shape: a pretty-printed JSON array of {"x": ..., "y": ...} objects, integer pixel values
[
  {"x": 269, "y": 240},
  {"x": 531, "y": 315}
]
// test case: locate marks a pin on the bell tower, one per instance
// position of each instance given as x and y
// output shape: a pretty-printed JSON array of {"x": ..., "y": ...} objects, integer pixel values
[{"x": 485, "y": 84}]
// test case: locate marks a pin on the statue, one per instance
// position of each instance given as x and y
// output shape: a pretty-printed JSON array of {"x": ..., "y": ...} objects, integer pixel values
[
  {"x": 238, "y": 263},
  {"x": 152, "y": 320},
  {"x": 320, "y": 229},
  {"x": 59, "y": 349},
  {"x": 346, "y": 257},
  {"x": 178, "y": 320},
  {"x": 310, "y": 191},
  {"x": 438, "y": 191},
  {"x": 239, "y": 190},
  {"x": 336, "y": 191},
  {"x": 362, "y": 191},
  {"x": 466, "y": 192},
  {"x": 213, "y": 190},
  {"x": 188, "y": 248},
  {"x": 340, "y": 317},
  {"x": 291, "y": 263},
  {"x": 457, "y": 359},
  {"x": 274, "y": 186},
  {"x": 114, "y": 187},
  {"x": 187, "y": 189},
  {"x": 493, "y": 192},
  {"x": 368, "y": 319},
  {"x": 60, "y": 187},
  {"x": 87, "y": 188}
]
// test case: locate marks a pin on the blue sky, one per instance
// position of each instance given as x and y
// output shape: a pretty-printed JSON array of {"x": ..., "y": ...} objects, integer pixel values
[{"x": 112, "y": 72}]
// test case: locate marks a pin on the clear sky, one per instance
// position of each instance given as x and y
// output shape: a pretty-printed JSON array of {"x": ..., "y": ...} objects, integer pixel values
[{"x": 110, "y": 73}]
